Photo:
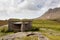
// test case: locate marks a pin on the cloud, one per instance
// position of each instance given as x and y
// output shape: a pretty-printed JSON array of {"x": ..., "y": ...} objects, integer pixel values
[{"x": 25, "y": 8}]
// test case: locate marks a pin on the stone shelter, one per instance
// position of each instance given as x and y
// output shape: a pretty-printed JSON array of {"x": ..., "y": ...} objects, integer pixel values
[{"x": 19, "y": 25}]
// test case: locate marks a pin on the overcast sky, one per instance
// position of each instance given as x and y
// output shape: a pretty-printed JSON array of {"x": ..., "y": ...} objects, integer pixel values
[{"x": 25, "y": 8}]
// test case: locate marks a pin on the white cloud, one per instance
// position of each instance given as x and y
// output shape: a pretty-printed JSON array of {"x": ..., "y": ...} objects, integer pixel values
[{"x": 25, "y": 8}]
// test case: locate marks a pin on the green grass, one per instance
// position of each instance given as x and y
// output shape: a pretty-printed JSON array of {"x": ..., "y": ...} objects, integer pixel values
[
  {"x": 4, "y": 31},
  {"x": 51, "y": 36},
  {"x": 48, "y": 24},
  {"x": 30, "y": 38},
  {"x": 26, "y": 38}
]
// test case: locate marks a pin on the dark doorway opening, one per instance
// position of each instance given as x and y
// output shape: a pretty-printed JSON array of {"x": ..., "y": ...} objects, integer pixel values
[{"x": 17, "y": 26}]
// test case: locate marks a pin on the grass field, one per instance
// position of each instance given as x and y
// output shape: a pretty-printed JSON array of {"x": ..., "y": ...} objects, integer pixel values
[
  {"x": 49, "y": 28},
  {"x": 30, "y": 38},
  {"x": 49, "y": 24},
  {"x": 4, "y": 31}
]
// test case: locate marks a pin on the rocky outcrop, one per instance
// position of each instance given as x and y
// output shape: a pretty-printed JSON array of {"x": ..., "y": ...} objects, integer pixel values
[
  {"x": 22, "y": 34},
  {"x": 51, "y": 14}
]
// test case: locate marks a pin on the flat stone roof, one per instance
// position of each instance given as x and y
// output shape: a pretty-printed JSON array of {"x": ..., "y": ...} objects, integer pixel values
[{"x": 20, "y": 23}]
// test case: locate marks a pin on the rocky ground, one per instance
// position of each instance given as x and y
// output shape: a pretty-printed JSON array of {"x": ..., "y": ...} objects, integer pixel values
[{"x": 22, "y": 34}]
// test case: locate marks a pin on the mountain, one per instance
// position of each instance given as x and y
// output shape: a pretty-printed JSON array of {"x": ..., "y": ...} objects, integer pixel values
[{"x": 51, "y": 14}]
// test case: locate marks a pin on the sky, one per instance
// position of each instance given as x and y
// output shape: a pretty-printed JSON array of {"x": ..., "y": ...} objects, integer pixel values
[{"x": 25, "y": 9}]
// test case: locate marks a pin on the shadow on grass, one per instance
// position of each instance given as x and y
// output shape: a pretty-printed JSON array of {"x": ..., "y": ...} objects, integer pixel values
[
  {"x": 6, "y": 31},
  {"x": 34, "y": 29}
]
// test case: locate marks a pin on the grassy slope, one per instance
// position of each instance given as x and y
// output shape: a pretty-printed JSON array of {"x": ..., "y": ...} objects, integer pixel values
[
  {"x": 30, "y": 38},
  {"x": 3, "y": 22},
  {"x": 4, "y": 31},
  {"x": 26, "y": 38},
  {"x": 48, "y": 24}
]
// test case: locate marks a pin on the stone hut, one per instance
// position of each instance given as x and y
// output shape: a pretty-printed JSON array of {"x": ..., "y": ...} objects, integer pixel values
[{"x": 19, "y": 25}]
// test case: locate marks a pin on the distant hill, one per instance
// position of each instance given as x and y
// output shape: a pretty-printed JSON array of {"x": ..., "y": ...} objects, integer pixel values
[
  {"x": 3, "y": 22},
  {"x": 51, "y": 14}
]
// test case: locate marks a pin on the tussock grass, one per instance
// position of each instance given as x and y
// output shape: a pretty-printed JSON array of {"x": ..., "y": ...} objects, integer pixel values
[
  {"x": 26, "y": 38},
  {"x": 51, "y": 36},
  {"x": 49, "y": 24},
  {"x": 30, "y": 38},
  {"x": 4, "y": 31}
]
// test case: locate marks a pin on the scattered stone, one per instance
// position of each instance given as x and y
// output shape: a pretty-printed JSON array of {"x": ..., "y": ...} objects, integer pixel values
[{"x": 22, "y": 34}]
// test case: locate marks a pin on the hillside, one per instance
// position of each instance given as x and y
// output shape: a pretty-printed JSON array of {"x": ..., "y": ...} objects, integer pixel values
[
  {"x": 3, "y": 22},
  {"x": 51, "y": 14}
]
